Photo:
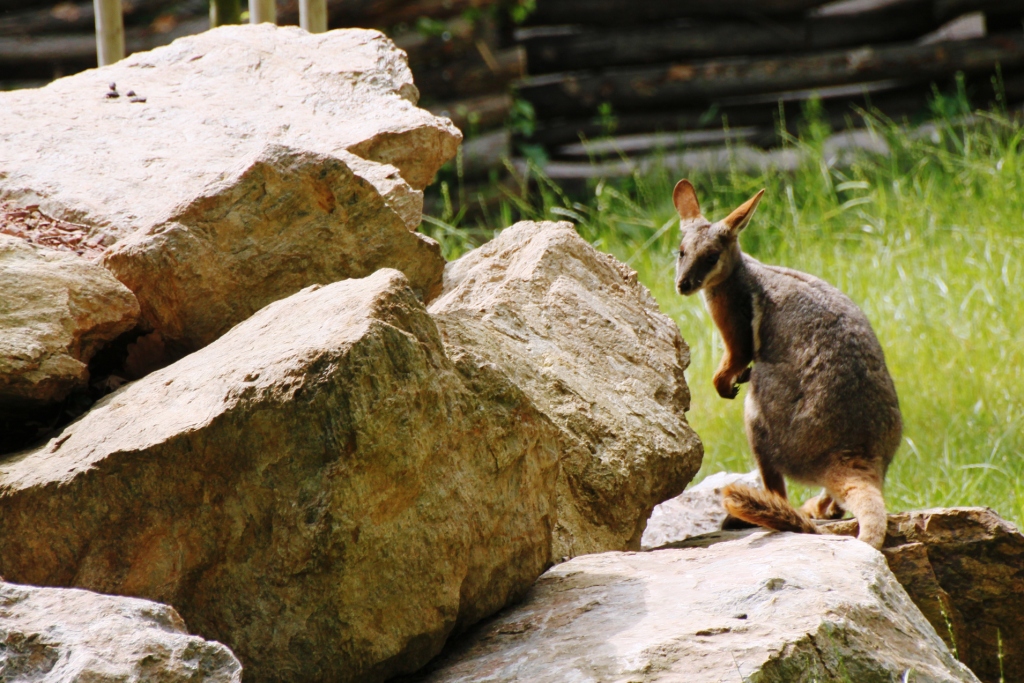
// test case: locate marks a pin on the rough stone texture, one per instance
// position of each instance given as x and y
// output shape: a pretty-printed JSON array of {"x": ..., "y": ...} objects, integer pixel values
[
  {"x": 697, "y": 510},
  {"x": 322, "y": 489},
  {"x": 263, "y": 160},
  {"x": 964, "y": 567},
  {"x": 587, "y": 343},
  {"x": 764, "y": 608},
  {"x": 57, "y": 634},
  {"x": 56, "y": 310}
]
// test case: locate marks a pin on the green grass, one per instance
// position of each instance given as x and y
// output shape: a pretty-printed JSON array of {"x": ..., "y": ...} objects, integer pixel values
[{"x": 928, "y": 240}]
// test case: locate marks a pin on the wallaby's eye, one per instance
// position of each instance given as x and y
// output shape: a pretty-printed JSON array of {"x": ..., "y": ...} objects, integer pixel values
[{"x": 681, "y": 253}]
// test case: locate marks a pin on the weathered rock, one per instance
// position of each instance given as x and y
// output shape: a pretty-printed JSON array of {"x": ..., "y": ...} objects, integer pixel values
[
  {"x": 322, "y": 489},
  {"x": 763, "y": 608},
  {"x": 262, "y": 160},
  {"x": 587, "y": 343},
  {"x": 964, "y": 567},
  {"x": 50, "y": 635},
  {"x": 697, "y": 510},
  {"x": 56, "y": 310}
]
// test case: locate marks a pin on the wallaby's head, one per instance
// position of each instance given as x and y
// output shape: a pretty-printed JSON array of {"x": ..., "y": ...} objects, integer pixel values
[{"x": 709, "y": 251}]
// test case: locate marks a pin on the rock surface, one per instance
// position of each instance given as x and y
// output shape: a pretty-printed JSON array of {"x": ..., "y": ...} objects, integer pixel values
[
  {"x": 764, "y": 608},
  {"x": 587, "y": 343},
  {"x": 964, "y": 567},
  {"x": 262, "y": 160},
  {"x": 57, "y": 309},
  {"x": 697, "y": 510},
  {"x": 58, "y": 634},
  {"x": 322, "y": 489}
]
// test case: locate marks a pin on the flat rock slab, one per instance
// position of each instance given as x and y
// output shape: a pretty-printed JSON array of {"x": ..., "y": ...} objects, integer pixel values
[
  {"x": 766, "y": 607},
  {"x": 697, "y": 510},
  {"x": 964, "y": 567},
  {"x": 586, "y": 341},
  {"x": 323, "y": 489},
  {"x": 56, "y": 310},
  {"x": 262, "y": 160},
  {"x": 58, "y": 634}
]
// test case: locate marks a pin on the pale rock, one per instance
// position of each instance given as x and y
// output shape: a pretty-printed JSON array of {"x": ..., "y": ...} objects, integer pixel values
[
  {"x": 763, "y": 607},
  {"x": 964, "y": 567},
  {"x": 56, "y": 310},
  {"x": 323, "y": 489},
  {"x": 264, "y": 159},
  {"x": 697, "y": 510},
  {"x": 587, "y": 343},
  {"x": 51, "y": 635}
]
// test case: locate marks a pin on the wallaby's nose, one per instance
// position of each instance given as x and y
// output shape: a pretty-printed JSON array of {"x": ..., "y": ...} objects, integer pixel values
[{"x": 685, "y": 286}]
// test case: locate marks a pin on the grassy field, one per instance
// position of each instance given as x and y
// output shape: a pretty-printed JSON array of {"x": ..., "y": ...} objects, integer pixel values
[{"x": 928, "y": 240}]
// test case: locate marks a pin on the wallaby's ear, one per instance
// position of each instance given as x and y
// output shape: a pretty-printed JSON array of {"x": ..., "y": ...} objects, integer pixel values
[
  {"x": 685, "y": 199},
  {"x": 738, "y": 219}
]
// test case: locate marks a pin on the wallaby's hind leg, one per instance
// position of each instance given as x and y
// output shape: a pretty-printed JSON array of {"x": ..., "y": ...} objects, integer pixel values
[
  {"x": 823, "y": 506},
  {"x": 858, "y": 487}
]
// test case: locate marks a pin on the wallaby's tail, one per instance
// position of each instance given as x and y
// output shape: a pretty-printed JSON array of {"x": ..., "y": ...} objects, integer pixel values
[{"x": 766, "y": 509}]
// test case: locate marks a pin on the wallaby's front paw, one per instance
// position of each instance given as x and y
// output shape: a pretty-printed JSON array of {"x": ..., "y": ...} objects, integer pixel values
[{"x": 726, "y": 387}]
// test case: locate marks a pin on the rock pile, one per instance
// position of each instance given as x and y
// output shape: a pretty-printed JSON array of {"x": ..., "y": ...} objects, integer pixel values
[{"x": 331, "y": 480}]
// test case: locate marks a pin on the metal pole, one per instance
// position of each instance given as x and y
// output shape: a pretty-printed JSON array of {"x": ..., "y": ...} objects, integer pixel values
[
  {"x": 223, "y": 12},
  {"x": 313, "y": 15},
  {"x": 109, "y": 31},
  {"x": 261, "y": 11}
]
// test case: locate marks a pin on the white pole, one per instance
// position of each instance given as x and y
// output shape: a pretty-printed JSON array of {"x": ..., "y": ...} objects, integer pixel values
[
  {"x": 261, "y": 11},
  {"x": 313, "y": 15},
  {"x": 109, "y": 31}
]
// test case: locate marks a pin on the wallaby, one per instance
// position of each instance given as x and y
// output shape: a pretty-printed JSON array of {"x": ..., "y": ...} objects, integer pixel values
[{"x": 821, "y": 408}]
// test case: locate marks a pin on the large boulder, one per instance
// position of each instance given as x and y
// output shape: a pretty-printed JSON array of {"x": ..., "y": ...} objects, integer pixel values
[
  {"x": 323, "y": 489},
  {"x": 58, "y": 634},
  {"x": 964, "y": 567},
  {"x": 763, "y": 607},
  {"x": 56, "y": 310},
  {"x": 587, "y": 343},
  {"x": 250, "y": 162}
]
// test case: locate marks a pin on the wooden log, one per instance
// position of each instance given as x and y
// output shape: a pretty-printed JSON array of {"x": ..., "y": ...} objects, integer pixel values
[
  {"x": 837, "y": 105},
  {"x": 80, "y": 49},
  {"x": 949, "y": 9},
  {"x": 632, "y": 89},
  {"x": 454, "y": 39},
  {"x": 71, "y": 17},
  {"x": 16, "y": 5},
  {"x": 485, "y": 152},
  {"x": 621, "y": 12},
  {"x": 225, "y": 12},
  {"x": 388, "y": 13},
  {"x": 261, "y": 11},
  {"x": 313, "y": 15},
  {"x": 571, "y": 48},
  {"x": 848, "y": 23},
  {"x": 109, "y": 31},
  {"x": 476, "y": 113},
  {"x": 472, "y": 77}
]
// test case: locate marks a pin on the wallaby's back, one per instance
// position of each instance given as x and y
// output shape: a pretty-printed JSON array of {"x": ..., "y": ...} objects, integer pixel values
[{"x": 819, "y": 382}]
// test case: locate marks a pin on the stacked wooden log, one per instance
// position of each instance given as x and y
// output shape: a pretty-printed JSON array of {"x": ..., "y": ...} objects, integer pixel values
[{"x": 601, "y": 67}]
